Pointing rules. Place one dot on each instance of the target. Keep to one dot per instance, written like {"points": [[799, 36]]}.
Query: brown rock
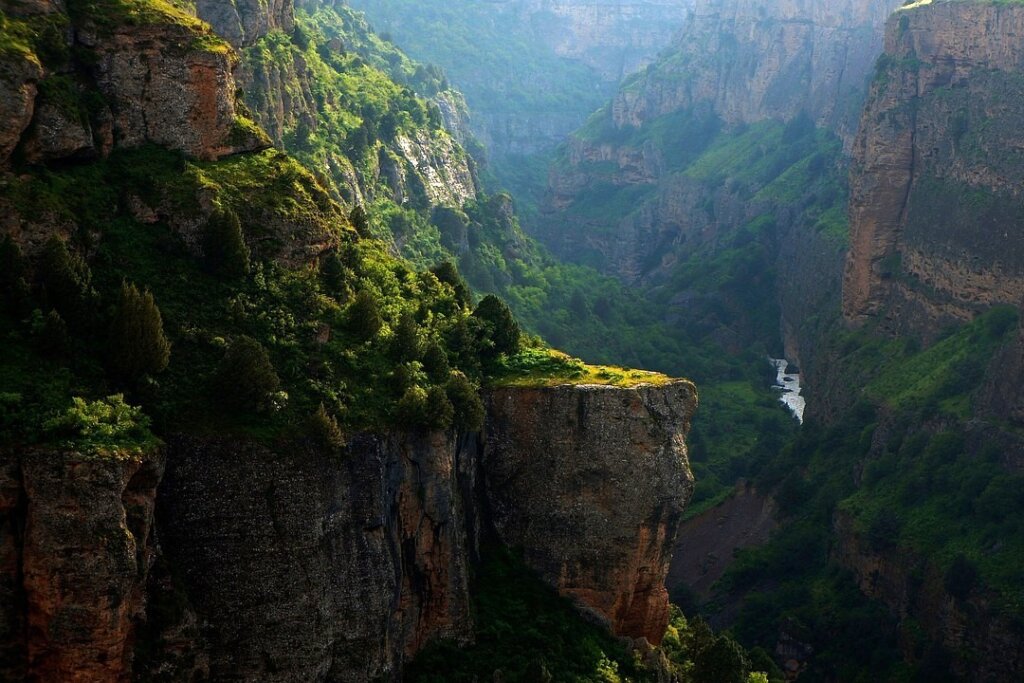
{"points": [[18, 76], [82, 535], [591, 482]]}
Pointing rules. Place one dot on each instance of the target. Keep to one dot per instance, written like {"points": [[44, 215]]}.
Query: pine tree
{"points": [[435, 363], [468, 409], [246, 378], [14, 288], [66, 281], [406, 345], [447, 273], [364, 317], [360, 221], [137, 344], [324, 429], [224, 249], [502, 329]]}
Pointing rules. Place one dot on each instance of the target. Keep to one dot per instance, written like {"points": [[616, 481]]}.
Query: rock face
{"points": [[164, 80], [427, 166], [936, 172], [75, 549], [591, 483], [308, 565], [294, 563], [243, 22], [764, 59]]}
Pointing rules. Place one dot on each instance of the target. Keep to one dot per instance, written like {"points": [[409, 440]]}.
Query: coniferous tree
{"points": [[324, 428], [435, 363], [406, 344], [440, 411], [66, 281], [501, 328], [364, 317], [14, 288], [246, 377], [224, 250], [447, 273], [50, 332], [360, 221], [468, 409], [137, 345]]}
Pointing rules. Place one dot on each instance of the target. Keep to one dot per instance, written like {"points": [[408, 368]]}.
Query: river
{"points": [[788, 386]]}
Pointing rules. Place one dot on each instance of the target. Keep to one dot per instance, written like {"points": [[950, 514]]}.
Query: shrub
{"points": [[102, 424], [961, 578], [14, 288], [246, 378], [335, 276], [224, 249], [501, 328], [137, 345]]}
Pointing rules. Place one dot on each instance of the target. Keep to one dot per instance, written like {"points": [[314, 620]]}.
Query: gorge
{"points": [[282, 288]]}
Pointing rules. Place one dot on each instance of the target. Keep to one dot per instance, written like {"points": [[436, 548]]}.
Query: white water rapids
{"points": [[788, 386]]}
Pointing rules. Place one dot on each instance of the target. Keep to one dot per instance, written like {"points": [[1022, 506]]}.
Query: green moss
{"points": [[540, 367]]}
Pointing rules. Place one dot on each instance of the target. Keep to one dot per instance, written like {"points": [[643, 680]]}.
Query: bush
{"points": [[99, 425], [961, 578], [138, 346], [246, 378], [14, 288], [224, 249], [412, 407], [360, 221]]}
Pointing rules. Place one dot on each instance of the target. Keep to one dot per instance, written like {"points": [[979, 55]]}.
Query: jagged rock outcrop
{"points": [[591, 483], [243, 22], [764, 59], [936, 173], [75, 550], [163, 79]]}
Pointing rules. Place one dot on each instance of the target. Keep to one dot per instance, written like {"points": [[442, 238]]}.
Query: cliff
{"points": [[162, 78], [750, 60], [936, 172], [591, 483], [77, 543], [294, 563]]}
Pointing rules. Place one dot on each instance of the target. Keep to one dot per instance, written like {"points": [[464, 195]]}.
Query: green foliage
{"points": [[406, 344], [447, 273], [324, 429], [500, 328], [224, 250], [49, 332], [246, 379], [137, 346], [66, 281], [105, 426], [467, 407], [364, 317]]}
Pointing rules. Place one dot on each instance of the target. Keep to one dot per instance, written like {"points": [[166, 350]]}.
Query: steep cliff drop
{"points": [[310, 566], [936, 170], [76, 545], [591, 482]]}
